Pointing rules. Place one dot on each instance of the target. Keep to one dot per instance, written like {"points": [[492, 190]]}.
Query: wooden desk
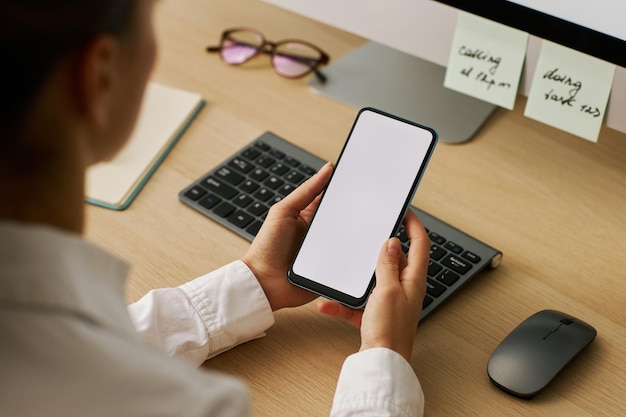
{"points": [[553, 203]]}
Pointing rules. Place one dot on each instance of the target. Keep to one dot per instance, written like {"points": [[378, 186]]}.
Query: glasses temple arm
{"points": [[320, 76]]}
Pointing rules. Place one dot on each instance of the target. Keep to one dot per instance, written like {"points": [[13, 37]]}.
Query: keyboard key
{"points": [[224, 209], [241, 165], [242, 200], [437, 252], [286, 189], [210, 201], [292, 161], [453, 247], [249, 186], [456, 264], [258, 209], [433, 268], [277, 154], [401, 234], [264, 194], [471, 256], [220, 187], [251, 154], [240, 219], [259, 175], [229, 175], [279, 169], [307, 170], [195, 193], [275, 200], [265, 161], [262, 146], [273, 182], [448, 277], [438, 239], [294, 177], [427, 301], [434, 289], [254, 228]]}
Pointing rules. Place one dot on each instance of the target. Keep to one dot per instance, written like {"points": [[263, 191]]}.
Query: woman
{"points": [[75, 72]]}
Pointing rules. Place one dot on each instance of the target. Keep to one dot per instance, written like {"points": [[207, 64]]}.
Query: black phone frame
{"points": [[331, 293]]}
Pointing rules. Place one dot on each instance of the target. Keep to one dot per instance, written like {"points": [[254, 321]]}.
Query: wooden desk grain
{"points": [[553, 203]]}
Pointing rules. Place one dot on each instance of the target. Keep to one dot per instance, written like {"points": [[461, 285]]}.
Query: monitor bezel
{"points": [[545, 26]]}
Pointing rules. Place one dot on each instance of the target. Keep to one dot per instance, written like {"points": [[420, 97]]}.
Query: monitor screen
{"points": [[593, 27]]}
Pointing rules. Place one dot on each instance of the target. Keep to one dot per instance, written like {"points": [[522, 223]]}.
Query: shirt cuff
{"points": [[232, 305], [378, 382]]}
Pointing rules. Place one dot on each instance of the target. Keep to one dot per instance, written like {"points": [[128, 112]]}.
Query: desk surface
{"points": [[551, 202]]}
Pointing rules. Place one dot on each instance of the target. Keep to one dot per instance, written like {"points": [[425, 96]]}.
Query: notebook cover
{"points": [[166, 113]]}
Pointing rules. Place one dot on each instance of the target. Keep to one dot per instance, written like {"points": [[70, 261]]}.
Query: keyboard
{"points": [[239, 192]]}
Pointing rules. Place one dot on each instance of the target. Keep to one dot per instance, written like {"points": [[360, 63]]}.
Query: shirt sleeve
{"points": [[377, 382], [206, 316]]}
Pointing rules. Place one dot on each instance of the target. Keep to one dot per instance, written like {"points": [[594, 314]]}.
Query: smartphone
{"points": [[375, 178]]}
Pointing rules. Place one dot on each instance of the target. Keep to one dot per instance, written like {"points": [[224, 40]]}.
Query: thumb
{"points": [[389, 263]]}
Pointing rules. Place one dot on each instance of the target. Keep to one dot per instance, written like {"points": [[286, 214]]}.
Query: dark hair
{"points": [[35, 35]]}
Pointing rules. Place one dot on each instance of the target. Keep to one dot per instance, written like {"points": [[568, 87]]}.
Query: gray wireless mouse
{"points": [[536, 351]]}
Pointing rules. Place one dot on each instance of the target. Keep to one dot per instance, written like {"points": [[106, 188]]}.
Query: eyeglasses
{"points": [[290, 58]]}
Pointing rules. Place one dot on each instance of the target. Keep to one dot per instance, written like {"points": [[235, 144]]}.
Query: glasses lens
{"points": [[240, 46], [294, 59]]}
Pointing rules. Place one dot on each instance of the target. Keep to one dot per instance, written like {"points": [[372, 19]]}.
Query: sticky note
{"points": [[486, 60], [570, 90]]}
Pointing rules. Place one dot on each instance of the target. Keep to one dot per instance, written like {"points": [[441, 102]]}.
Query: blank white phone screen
{"points": [[362, 203]]}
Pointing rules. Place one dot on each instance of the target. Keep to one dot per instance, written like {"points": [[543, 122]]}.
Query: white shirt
{"points": [[68, 346]]}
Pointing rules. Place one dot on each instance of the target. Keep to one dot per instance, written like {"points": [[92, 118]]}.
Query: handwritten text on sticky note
{"points": [[486, 60], [570, 90]]}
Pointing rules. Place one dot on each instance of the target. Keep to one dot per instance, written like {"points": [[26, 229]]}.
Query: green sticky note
{"points": [[570, 90], [486, 60]]}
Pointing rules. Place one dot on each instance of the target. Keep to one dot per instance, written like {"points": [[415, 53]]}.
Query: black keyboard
{"points": [[239, 192]]}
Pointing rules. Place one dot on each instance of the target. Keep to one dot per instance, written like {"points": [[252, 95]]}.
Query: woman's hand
{"points": [[274, 247], [393, 309]]}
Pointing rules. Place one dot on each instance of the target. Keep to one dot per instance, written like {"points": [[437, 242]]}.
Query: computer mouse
{"points": [[536, 351]]}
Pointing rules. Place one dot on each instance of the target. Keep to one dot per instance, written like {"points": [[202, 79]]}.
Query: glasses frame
{"points": [[269, 48]]}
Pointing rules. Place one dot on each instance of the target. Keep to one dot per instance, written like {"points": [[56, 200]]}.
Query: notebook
{"points": [[165, 115]]}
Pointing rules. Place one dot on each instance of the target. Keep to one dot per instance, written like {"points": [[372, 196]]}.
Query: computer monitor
{"points": [[411, 39], [593, 27]]}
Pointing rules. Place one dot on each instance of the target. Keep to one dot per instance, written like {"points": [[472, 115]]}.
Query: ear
{"points": [[96, 78]]}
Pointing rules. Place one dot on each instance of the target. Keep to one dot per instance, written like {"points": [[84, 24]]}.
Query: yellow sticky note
{"points": [[570, 90], [486, 60]]}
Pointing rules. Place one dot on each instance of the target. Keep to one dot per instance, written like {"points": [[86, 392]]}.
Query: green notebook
{"points": [[165, 115]]}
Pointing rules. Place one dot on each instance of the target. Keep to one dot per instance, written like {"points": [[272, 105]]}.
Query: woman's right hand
{"points": [[393, 309]]}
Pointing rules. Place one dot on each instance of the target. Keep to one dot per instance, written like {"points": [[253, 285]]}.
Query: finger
{"points": [[300, 198], [389, 263], [403, 261], [334, 309], [419, 250], [307, 213]]}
